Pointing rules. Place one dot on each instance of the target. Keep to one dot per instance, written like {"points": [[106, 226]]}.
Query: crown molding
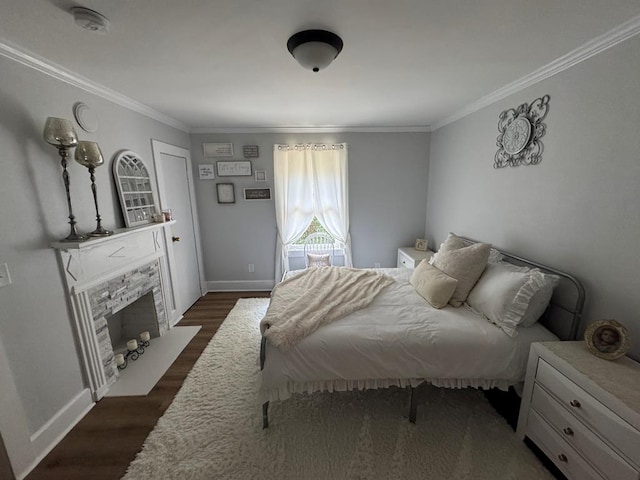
{"points": [[47, 67], [325, 129], [613, 37]]}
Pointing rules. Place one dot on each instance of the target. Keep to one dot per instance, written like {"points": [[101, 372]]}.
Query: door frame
{"points": [[159, 148]]}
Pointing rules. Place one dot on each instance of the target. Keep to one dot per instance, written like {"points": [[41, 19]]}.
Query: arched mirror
{"points": [[134, 187]]}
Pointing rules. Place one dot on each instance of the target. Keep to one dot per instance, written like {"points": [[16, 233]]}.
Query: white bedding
{"points": [[399, 339]]}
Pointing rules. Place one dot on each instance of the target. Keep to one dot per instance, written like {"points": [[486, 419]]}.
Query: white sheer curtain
{"points": [[310, 180]]}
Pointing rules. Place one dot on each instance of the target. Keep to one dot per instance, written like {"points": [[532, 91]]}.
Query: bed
{"points": [[399, 339]]}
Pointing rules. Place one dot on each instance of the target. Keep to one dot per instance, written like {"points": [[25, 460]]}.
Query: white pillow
{"points": [[539, 296], [510, 296], [495, 256], [315, 260], [495, 294], [465, 264], [434, 286]]}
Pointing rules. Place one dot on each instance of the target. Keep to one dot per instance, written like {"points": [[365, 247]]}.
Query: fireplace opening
{"points": [[128, 323]]}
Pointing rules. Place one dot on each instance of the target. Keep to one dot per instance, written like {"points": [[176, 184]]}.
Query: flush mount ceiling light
{"points": [[314, 49], [90, 20]]}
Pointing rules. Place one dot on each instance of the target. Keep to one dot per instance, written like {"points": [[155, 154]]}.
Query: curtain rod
{"points": [[313, 146]]}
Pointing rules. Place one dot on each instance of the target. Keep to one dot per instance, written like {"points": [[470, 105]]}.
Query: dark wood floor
{"points": [[107, 439]]}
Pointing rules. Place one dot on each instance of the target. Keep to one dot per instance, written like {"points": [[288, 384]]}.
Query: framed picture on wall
{"points": [[260, 176], [217, 149], [236, 168], [226, 193], [257, 193]]}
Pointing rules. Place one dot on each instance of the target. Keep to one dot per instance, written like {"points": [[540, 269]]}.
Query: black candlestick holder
{"points": [[134, 354]]}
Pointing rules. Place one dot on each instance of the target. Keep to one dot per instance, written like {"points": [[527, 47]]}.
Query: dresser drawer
{"points": [[565, 457], [410, 257], [603, 458], [405, 261], [591, 412]]}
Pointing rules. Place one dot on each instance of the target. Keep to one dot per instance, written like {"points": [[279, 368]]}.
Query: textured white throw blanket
{"points": [[317, 296]]}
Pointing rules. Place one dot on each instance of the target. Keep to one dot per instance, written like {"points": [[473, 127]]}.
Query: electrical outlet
{"points": [[5, 277], [251, 268], [376, 265]]}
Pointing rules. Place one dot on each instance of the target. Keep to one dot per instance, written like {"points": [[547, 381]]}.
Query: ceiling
{"points": [[223, 64]]}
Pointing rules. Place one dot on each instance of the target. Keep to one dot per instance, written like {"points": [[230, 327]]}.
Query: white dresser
{"points": [[409, 257], [582, 411]]}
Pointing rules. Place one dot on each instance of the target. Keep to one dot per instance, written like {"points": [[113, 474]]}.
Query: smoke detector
{"points": [[90, 20]]}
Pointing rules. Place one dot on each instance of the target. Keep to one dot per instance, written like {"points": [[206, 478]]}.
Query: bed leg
{"points": [[265, 415], [265, 405], [413, 406]]}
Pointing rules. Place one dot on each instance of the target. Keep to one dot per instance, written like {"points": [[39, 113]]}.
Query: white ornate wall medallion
{"points": [[520, 132], [86, 117]]}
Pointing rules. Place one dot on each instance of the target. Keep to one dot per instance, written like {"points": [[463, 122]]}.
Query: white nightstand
{"points": [[409, 257], [582, 411]]}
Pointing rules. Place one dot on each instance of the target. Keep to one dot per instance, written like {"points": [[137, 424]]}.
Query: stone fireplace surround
{"points": [[102, 277], [121, 292]]}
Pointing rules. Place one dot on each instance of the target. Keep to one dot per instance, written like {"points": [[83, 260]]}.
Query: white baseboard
{"points": [[175, 321], [50, 434], [241, 286]]}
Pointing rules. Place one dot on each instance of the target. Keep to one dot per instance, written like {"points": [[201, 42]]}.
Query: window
{"points": [[311, 193], [314, 227]]}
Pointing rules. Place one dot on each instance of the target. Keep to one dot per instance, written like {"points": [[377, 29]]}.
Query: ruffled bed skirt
{"points": [[285, 391]]}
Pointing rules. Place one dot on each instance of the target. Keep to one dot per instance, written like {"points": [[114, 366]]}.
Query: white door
{"points": [[175, 191]]}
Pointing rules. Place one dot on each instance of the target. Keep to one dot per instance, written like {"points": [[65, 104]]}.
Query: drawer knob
{"points": [[575, 403], [568, 431], [563, 458]]}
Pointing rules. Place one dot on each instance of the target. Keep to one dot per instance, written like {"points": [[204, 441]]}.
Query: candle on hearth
{"points": [[119, 359], [132, 344], [145, 336]]}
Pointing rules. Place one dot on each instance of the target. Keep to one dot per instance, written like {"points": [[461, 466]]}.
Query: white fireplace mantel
{"points": [[86, 263]]}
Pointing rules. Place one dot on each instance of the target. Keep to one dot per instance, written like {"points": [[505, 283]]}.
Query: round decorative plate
{"points": [[85, 117], [516, 135]]}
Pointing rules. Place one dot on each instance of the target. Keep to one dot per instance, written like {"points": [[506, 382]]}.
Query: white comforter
{"points": [[399, 339]]}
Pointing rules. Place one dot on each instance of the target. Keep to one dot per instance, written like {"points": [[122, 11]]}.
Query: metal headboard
{"points": [[564, 312]]}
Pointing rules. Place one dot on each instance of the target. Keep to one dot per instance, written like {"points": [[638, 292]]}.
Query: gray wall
{"points": [[578, 210], [35, 326], [387, 202]]}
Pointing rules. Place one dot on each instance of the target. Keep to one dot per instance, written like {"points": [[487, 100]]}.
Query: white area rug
{"points": [[142, 375], [213, 428]]}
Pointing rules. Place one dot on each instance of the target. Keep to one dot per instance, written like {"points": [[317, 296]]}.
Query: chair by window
{"points": [[319, 250]]}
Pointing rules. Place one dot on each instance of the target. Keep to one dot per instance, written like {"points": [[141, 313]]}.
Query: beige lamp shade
{"points": [[88, 154], [60, 132]]}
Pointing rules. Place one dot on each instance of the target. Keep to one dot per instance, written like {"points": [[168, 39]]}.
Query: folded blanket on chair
{"points": [[317, 296]]}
